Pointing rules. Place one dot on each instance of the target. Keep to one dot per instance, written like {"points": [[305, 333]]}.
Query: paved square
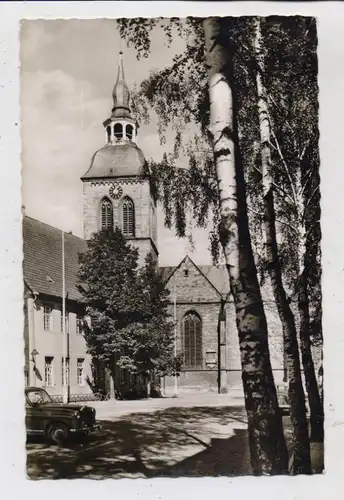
{"points": [[193, 435]]}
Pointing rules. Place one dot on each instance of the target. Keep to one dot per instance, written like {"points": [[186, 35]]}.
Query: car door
{"points": [[29, 418], [34, 419]]}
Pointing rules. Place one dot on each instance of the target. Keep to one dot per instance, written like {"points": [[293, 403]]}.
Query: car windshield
{"points": [[38, 397]]}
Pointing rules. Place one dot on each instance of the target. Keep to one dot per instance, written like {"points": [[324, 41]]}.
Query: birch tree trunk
{"points": [[265, 430], [301, 463], [314, 400]]}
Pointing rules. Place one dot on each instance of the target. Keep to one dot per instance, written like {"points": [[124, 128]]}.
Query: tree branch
{"points": [[289, 224], [282, 159], [308, 203], [307, 179], [279, 221], [260, 214], [278, 188]]}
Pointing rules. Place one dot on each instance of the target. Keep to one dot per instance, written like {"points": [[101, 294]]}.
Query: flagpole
{"points": [[64, 333], [175, 338]]}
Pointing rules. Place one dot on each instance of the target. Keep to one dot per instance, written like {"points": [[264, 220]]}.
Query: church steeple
{"points": [[114, 190], [121, 94], [120, 127]]}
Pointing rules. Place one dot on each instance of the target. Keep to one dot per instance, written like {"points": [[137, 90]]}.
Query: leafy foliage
{"points": [[178, 95], [127, 307]]}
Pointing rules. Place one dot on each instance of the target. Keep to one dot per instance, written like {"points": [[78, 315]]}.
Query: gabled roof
{"points": [[216, 275], [42, 263]]}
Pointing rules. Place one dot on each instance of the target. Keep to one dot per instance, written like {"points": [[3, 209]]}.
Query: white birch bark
{"points": [[267, 445], [301, 450], [314, 399]]}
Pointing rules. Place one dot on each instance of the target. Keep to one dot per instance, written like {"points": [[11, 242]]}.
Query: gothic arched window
{"points": [[118, 130], [129, 131], [106, 217], [192, 340], [128, 217]]}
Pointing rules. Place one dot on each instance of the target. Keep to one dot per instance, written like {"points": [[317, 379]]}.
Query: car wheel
{"points": [[58, 433]]}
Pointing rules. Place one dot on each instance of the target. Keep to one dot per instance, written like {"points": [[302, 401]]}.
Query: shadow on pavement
{"points": [[174, 442], [224, 457], [171, 442]]}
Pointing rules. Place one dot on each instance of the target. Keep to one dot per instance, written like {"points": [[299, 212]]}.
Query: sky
{"points": [[68, 70]]}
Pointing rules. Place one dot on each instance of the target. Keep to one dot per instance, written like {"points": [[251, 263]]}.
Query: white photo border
{"points": [[330, 17]]}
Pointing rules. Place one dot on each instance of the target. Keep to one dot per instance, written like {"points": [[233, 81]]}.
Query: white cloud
{"points": [[32, 38], [59, 136], [61, 128]]}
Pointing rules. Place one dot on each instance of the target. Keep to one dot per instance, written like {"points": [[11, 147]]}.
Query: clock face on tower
{"points": [[115, 191]]}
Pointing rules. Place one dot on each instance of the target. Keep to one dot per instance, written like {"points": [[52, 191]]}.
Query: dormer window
{"points": [[118, 131]]}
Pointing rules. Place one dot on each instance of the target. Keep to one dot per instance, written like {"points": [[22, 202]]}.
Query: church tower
{"points": [[114, 193]]}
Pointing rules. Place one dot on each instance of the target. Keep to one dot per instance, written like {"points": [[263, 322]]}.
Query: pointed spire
{"points": [[120, 74], [120, 94]]}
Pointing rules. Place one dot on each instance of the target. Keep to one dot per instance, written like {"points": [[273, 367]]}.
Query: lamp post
{"points": [[33, 356], [175, 392], [64, 332]]}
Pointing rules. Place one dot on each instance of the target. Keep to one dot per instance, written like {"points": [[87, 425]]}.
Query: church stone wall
{"points": [[144, 246], [95, 191], [139, 191], [190, 286], [194, 293]]}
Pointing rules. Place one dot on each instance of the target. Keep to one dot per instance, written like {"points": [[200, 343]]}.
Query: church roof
{"points": [[42, 263], [121, 160], [217, 275]]}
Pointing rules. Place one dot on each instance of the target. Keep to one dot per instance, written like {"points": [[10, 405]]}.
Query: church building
{"points": [[115, 194]]}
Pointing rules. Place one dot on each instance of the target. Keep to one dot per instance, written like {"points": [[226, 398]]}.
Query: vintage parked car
{"points": [[55, 421]]}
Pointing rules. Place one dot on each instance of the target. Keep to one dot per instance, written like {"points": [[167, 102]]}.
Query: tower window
{"points": [[118, 131], [106, 214], [128, 218], [192, 329], [108, 131], [129, 131]]}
